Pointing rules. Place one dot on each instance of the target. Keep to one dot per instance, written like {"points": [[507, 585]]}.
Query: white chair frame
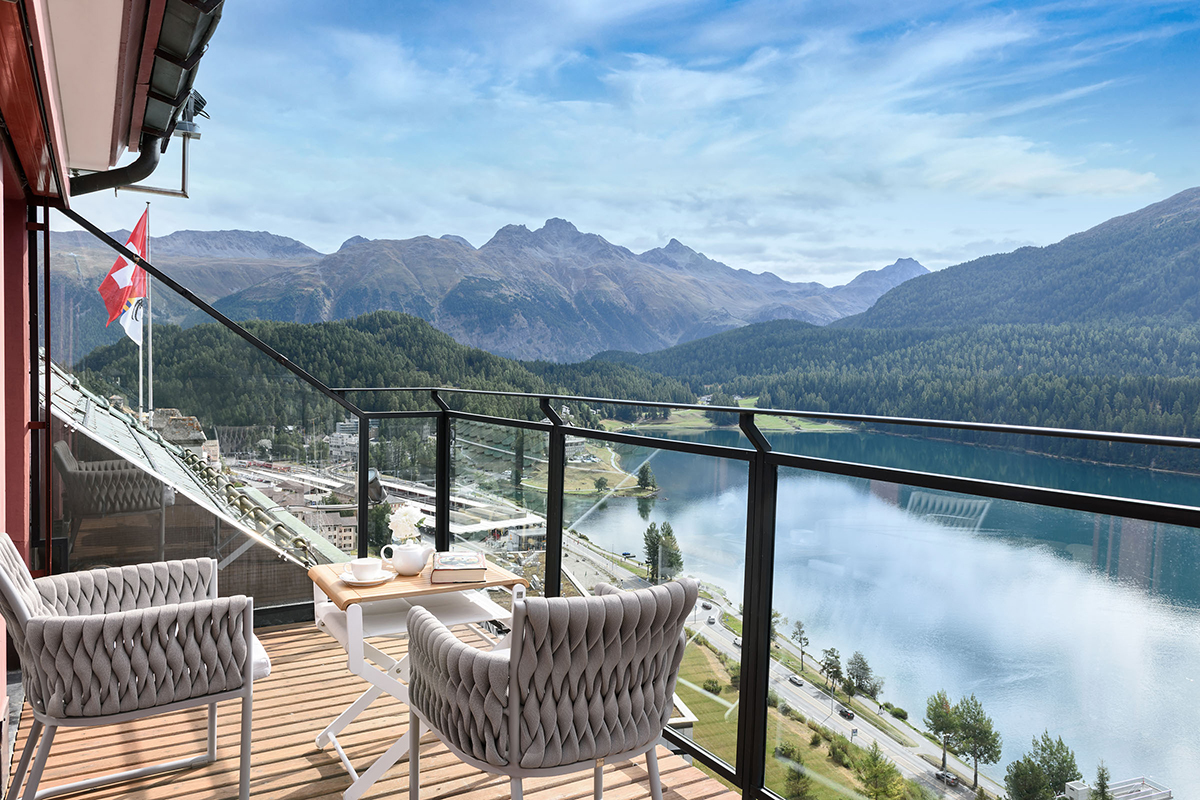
{"points": [[44, 726]]}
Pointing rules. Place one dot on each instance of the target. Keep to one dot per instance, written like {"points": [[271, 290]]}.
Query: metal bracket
{"points": [[746, 423], [548, 410]]}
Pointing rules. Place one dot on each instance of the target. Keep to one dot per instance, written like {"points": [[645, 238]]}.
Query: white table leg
{"points": [[349, 715], [382, 764], [386, 676]]}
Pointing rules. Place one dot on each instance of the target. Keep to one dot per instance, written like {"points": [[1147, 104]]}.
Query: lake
{"points": [[1084, 625]]}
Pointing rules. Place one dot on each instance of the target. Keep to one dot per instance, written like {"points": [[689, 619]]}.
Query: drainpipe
{"points": [[140, 169]]}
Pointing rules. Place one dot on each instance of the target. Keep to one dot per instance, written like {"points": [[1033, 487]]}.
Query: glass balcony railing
{"points": [[1054, 576]]}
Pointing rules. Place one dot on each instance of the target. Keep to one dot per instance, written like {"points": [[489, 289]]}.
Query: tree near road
{"points": [[652, 542], [859, 672], [601, 483], [1026, 780], [797, 785], [1057, 762], [800, 638], [940, 719], [662, 552], [777, 621], [1101, 791], [670, 556], [831, 665], [976, 735], [880, 778]]}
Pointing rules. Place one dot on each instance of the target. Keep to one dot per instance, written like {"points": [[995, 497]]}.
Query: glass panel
{"points": [[1083, 625], [499, 498], [690, 521], [683, 424], [254, 471], [1163, 474]]}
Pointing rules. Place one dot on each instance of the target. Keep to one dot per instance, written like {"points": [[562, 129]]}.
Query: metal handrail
{"points": [[981, 427]]}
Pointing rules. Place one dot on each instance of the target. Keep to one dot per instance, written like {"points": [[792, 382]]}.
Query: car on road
{"points": [[737, 641], [712, 620], [946, 777], [794, 680], [627, 554], [845, 712], [706, 605]]}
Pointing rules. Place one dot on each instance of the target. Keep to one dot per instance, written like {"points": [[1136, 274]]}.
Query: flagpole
{"points": [[149, 326]]}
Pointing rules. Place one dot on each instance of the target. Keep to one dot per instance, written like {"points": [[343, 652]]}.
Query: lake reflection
{"points": [[1008, 613]]}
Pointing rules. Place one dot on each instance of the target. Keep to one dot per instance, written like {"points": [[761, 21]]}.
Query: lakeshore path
{"points": [[588, 565]]}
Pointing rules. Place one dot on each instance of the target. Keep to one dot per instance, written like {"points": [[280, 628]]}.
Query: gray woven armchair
{"points": [[108, 488], [112, 645], [587, 679]]}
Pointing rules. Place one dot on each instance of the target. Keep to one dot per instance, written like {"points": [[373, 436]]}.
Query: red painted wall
{"points": [[14, 389]]}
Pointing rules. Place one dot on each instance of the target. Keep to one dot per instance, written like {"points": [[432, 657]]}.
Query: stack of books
{"points": [[459, 566]]}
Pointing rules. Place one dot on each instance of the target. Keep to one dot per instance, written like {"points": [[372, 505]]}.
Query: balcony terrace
{"points": [[287, 764], [1056, 573], [837, 524]]}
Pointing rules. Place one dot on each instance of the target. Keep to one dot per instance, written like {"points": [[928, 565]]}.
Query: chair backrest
{"points": [[112, 486], [20, 601], [64, 459], [19, 598], [594, 676]]}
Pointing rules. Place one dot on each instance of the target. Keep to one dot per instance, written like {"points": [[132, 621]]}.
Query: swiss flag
{"points": [[124, 288]]}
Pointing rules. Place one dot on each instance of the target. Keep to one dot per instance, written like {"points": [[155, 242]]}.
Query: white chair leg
{"points": [[31, 742], [652, 768], [39, 763], [414, 756], [247, 729], [212, 731], [514, 788], [598, 779]]}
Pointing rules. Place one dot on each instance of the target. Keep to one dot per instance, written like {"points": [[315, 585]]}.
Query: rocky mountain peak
{"points": [[509, 235], [559, 227], [353, 240], [450, 237], [905, 268], [230, 244], [880, 280]]}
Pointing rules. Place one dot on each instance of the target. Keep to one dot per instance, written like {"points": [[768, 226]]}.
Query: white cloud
{"points": [[810, 139]]}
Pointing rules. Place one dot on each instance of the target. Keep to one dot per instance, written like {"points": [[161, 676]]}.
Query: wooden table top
{"points": [[327, 577]]}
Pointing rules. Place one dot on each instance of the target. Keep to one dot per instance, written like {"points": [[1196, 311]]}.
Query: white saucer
{"points": [[383, 577]]}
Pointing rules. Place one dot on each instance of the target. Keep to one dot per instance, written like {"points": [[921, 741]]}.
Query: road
{"points": [[590, 567], [816, 704]]}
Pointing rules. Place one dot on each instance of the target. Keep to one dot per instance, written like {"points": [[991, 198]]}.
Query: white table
{"points": [[353, 615]]}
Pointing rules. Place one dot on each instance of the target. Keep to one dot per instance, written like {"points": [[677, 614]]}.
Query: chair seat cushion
{"points": [[260, 663]]}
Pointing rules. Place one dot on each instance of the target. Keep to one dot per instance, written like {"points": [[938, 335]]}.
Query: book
{"points": [[458, 566]]}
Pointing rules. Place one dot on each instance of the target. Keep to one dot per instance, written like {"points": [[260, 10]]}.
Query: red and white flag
{"points": [[124, 288]]}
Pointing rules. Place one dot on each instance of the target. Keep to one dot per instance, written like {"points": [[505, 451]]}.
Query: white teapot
{"points": [[408, 558]]}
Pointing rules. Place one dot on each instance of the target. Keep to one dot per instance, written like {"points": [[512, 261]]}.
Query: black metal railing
{"points": [[762, 497]]}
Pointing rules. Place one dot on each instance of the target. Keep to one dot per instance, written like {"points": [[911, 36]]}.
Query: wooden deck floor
{"points": [[309, 685]]}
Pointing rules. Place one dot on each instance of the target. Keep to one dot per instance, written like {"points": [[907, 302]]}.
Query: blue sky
{"points": [[811, 139]]}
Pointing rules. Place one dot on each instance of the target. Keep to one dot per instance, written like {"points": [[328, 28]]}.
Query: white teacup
{"points": [[364, 569]]}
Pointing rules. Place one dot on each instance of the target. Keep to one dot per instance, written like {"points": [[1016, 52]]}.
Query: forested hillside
{"points": [[1139, 268], [1142, 379], [208, 371]]}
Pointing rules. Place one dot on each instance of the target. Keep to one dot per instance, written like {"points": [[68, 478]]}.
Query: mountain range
{"points": [[1138, 268], [554, 293]]}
